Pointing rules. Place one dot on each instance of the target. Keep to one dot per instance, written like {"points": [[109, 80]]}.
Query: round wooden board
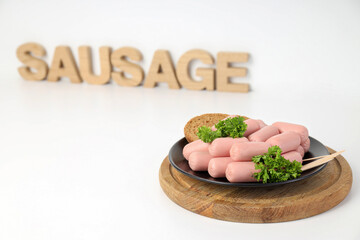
{"points": [[287, 202]]}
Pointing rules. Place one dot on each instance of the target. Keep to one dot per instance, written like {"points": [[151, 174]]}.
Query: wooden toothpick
{"points": [[321, 161], [314, 158]]}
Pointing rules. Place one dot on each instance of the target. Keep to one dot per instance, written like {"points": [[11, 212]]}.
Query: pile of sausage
{"points": [[231, 157]]}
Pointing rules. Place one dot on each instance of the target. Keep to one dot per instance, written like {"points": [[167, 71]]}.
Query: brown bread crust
{"points": [[208, 119]]}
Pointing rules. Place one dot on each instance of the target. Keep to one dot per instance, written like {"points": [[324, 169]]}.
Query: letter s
{"points": [[25, 53]]}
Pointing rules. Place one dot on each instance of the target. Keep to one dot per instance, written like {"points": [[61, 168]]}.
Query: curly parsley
{"points": [[274, 167], [231, 127]]}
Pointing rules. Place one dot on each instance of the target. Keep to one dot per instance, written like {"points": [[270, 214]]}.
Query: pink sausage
{"points": [[246, 150], [252, 126], [241, 172], [264, 134], [230, 116], [301, 130], [293, 155], [199, 161], [195, 146], [301, 150], [261, 123], [217, 166], [287, 141], [220, 147], [306, 145]]}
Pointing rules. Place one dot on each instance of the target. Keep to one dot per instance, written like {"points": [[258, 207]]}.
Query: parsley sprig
{"points": [[274, 167], [231, 127]]}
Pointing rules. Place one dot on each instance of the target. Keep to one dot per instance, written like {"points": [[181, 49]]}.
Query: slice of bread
{"points": [[208, 119]]}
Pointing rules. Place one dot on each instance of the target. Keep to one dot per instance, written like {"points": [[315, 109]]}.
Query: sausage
{"points": [[306, 145], [252, 126], [261, 123], [301, 150], [199, 161], [246, 150], [287, 141], [264, 134], [285, 127], [196, 146], [241, 172], [220, 147], [230, 116], [217, 166], [293, 155]]}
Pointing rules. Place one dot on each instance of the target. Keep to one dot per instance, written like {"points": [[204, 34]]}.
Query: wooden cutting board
{"points": [[287, 202]]}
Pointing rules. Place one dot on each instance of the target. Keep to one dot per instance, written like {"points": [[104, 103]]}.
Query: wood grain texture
{"points": [[27, 54], [288, 202], [224, 71], [161, 70], [86, 68], [207, 74]]}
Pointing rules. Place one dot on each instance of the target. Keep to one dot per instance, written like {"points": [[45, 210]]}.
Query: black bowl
{"points": [[178, 161]]}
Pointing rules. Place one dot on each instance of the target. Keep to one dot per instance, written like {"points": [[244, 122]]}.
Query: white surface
{"points": [[81, 161]]}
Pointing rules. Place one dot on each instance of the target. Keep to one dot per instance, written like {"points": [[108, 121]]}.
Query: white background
{"points": [[81, 161]]}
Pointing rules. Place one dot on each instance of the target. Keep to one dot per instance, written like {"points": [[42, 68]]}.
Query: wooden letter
{"points": [[119, 60], [161, 70], [23, 53], [224, 71], [183, 74], [86, 69], [63, 65]]}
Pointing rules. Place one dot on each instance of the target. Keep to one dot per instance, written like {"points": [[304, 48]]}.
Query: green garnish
{"points": [[207, 135], [274, 167], [231, 127]]}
